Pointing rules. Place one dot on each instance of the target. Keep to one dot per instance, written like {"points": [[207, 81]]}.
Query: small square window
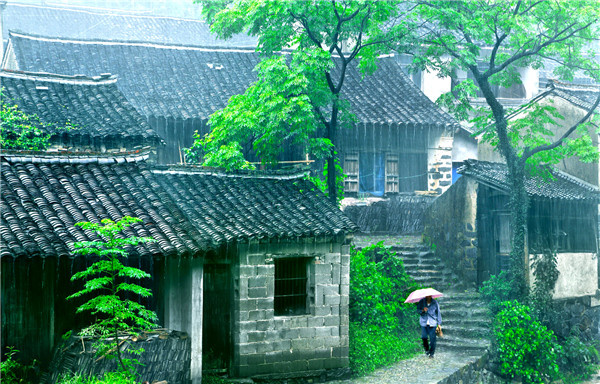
{"points": [[291, 286]]}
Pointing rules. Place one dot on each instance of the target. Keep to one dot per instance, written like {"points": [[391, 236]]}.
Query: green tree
{"points": [[19, 130], [492, 40], [108, 281], [298, 96]]}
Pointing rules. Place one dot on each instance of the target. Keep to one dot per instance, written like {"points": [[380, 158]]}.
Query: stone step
{"points": [[463, 332], [463, 346], [467, 323], [466, 313]]}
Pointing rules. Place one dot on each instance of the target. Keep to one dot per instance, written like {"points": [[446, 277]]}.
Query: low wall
{"points": [[581, 315], [400, 214], [450, 229], [166, 356]]}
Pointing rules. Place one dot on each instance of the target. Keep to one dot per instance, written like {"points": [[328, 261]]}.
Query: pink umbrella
{"points": [[419, 294]]}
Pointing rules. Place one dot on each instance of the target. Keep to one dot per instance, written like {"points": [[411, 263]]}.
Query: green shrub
{"points": [[495, 291], [372, 347], [526, 349], [578, 360], [382, 328], [13, 372]]}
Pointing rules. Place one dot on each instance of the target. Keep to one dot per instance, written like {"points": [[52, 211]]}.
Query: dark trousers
{"points": [[428, 336]]}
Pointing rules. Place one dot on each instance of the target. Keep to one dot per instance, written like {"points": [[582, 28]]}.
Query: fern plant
{"points": [[108, 281]]}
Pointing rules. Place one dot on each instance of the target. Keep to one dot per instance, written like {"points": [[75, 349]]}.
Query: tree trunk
{"points": [[518, 199], [331, 171]]}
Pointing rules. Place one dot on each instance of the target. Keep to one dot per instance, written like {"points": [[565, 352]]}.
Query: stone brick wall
{"points": [[270, 347], [450, 227], [439, 174], [580, 315]]}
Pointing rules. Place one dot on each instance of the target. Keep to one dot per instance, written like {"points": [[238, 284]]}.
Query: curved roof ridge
{"points": [[49, 157], [137, 43], [221, 172], [104, 78]]}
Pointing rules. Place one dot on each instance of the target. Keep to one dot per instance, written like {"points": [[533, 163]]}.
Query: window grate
{"points": [[291, 286]]}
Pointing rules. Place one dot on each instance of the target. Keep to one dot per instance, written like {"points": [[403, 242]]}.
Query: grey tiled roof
{"points": [[583, 96], [564, 186], [188, 82], [112, 25], [187, 212], [95, 107]]}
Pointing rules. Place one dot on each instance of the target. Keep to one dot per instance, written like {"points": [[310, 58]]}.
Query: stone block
{"points": [[316, 321], [257, 281], [307, 333], [289, 334], [344, 330], [282, 345], [257, 293], [302, 344], [315, 364], [247, 326], [299, 365], [256, 336], [322, 310], [255, 359], [332, 300], [247, 270], [263, 325], [265, 270], [323, 269], [336, 274], [298, 322], [273, 357], [345, 252], [331, 321], [256, 259], [267, 303], [335, 310], [248, 304], [247, 348], [257, 315], [333, 363], [322, 332], [332, 258], [264, 347]]}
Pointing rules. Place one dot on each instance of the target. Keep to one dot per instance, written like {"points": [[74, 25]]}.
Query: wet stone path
{"points": [[418, 370]]}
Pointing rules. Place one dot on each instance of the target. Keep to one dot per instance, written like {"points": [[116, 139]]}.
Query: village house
{"points": [[401, 141], [85, 113], [254, 267], [470, 227]]}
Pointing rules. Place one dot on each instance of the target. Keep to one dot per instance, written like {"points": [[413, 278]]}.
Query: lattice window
{"points": [[351, 172], [391, 174], [291, 286]]}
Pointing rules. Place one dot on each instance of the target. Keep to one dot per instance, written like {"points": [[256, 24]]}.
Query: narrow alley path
{"points": [[465, 322], [444, 369]]}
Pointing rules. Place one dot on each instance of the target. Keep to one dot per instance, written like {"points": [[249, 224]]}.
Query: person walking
{"points": [[431, 318]]}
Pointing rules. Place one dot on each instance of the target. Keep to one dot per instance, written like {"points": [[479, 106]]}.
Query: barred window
{"points": [[291, 286]]}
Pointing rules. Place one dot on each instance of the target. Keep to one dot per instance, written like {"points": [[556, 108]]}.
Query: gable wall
{"points": [[269, 346]]}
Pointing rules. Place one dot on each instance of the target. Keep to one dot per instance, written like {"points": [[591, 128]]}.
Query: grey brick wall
{"points": [[272, 346]]}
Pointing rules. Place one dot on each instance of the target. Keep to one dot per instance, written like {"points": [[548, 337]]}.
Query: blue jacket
{"points": [[433, 313]]}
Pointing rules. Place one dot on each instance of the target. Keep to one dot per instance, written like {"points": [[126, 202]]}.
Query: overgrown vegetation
{"points": [[19, 130], [109, 282], [107, 378], [524, 340], [14, 372], [526, 349], [382, 329]]}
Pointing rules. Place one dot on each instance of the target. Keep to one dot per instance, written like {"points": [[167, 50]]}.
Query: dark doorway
{"points": [[216, 327]]}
